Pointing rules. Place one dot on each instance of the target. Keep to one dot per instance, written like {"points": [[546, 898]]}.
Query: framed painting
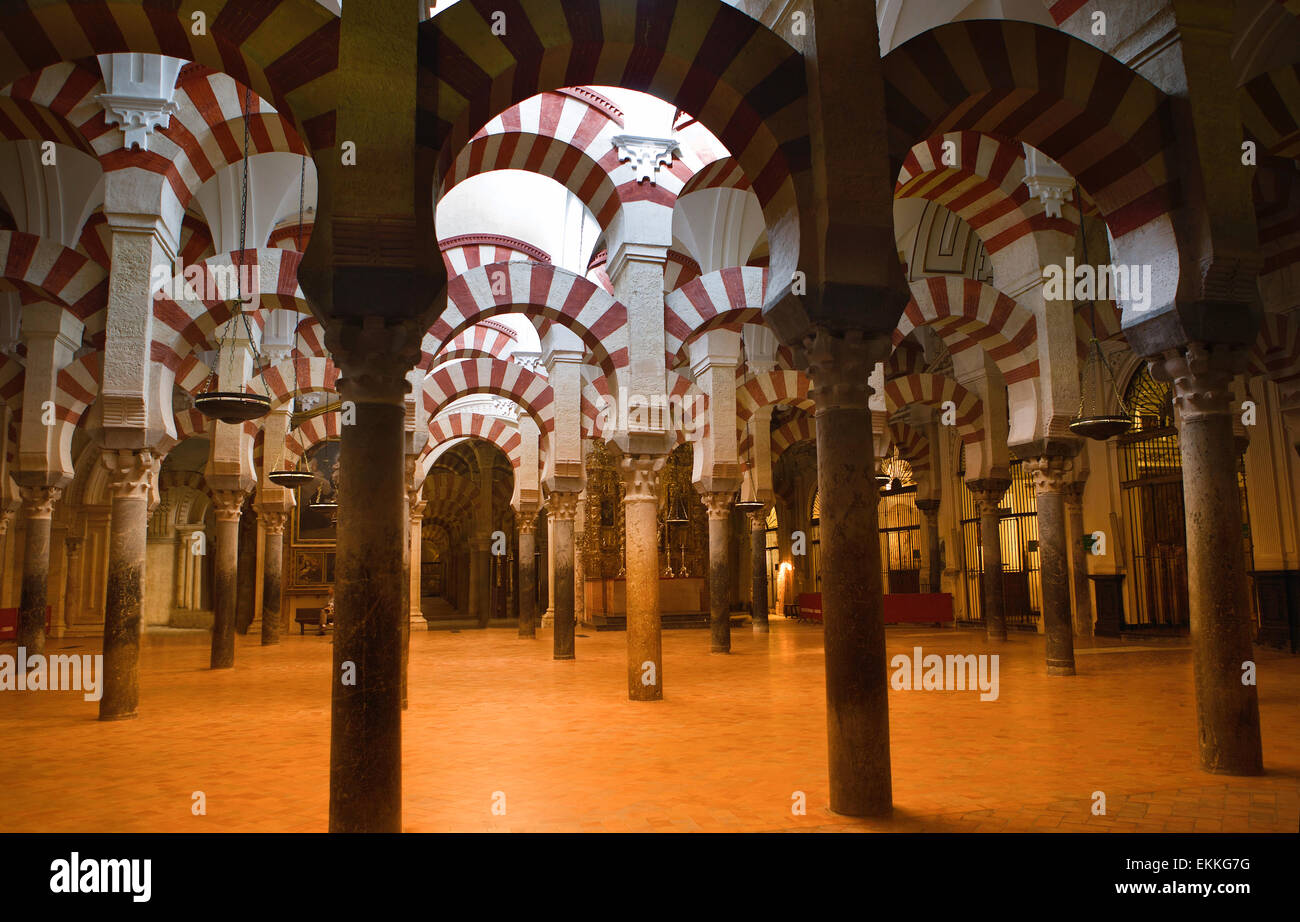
{"points": [[317, 526]]}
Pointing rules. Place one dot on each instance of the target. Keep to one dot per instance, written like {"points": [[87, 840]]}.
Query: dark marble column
{"points": [[273, 522], [1050, 474], [933, 574], [857, 691], [1078, 559], [369, 593], [72, 592], [228, 504], [988, 499], [1227, 711], [645, 672], [562, 508], [131, 478], [246, 570], [758, 570], [527, 574], [38, 510], [719, 506]]}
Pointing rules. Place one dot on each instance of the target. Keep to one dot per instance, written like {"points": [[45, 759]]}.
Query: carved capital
{"points": [[988, 494], [562, 506], [131, 474], [718, 505], [526, 521], [228, 504], [38, 502], [1202, 377], [417, 508], [640, 475], [1074, 494], [74, 547], [928, 506], [273, 521], [1051, 474], [646, 155], [840, 366], [374, 358]]}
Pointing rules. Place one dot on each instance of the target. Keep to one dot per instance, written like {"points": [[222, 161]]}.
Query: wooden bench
{"points": [[306, 616]]}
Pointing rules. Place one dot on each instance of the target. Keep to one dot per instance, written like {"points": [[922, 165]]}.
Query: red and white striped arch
{"points": [[725, 298], [44, 269], [967, 313], [801, 428], [482, 340], [536, 291], [309, 433], [469, 251], [1276, 354], [723, 173], [301, 374], [936, 391], [913, 447], [454, 380]]}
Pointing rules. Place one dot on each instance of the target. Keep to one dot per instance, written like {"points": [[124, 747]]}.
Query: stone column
{"points": [[370, 605], [758, 570], [38, 510], [579, 563], [527, 574], [131, 477], [562, 508], [548, 617], [719, 507], [932, 575], [1227, 710], [273, 522], [1078, 559], [1049, 475], [228, 505], [857, 691], [72, 592], [415, 506], [988, 499], [645, 672], [478, 579]]}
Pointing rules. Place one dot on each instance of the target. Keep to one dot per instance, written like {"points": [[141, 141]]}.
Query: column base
{"points": [[760, 627], [548, 619], [566, 657], [723, 650], [109, 718], [1060, 669]]}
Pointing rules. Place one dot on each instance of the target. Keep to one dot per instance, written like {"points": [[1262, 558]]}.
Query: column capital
{"points": [[840, 366], [228, 504], [928, 506], [1073, 491], [1050, 473], [132, 474], [38, 502], [1202, 376], [73, 544], [562, 505], [640, 475], [718, 505], [273, 520], [374, 358], [526, 522], [988, 493]]}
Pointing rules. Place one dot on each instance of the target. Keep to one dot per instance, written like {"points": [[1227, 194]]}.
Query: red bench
{"points": [[900, 607], [9, 622]]}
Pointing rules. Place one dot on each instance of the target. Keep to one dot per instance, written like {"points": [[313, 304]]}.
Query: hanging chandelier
{"points": [[236, 406], [1093, 421], [747, 506], [292, 478]]}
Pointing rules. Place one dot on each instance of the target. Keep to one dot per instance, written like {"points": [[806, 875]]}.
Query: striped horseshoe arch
{"points": [[311, 432], [483, 340], [685, 53], [1269, 104], [301, 374], [967, 313], [492, 376], [285, 50], [725, 298], [936, 391], [723, 173], [502, 433], [45, 269], [913, 447], [1276, 354], [536, 291], [802, 428]]}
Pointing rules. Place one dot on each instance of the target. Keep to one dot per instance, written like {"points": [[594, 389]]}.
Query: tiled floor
{"points": [[727, 749]]}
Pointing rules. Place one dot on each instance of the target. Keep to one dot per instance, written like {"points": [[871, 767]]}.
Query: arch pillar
{"points": [[1051, 473], [273, 519], [988, 493], [719, 507], [527, 522], [38, 511], [563, 508], [933, 572], [640, 474]]}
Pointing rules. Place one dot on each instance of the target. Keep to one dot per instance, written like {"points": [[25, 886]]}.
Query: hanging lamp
{"points": [[292, 478], [747, 506], [1092, 420], [236, 406]]}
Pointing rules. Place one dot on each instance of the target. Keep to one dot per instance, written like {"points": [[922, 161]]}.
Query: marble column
{"points": [[1078, 559], [72, 592], [548, 617], [988, 495], [562, 508], [478, 579], [857, 691], [645, 674], [273, 522], [1227, 710], [579, 562], [416, 506], [932, 575], [131, 477], [719, 507], [1050, 475], [527, 574], [38, 511], [370, 605], [758, 570], [227, 505]]}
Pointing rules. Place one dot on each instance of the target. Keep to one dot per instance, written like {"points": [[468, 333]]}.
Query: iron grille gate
{"points": [[900, 535], [1018, 535]]}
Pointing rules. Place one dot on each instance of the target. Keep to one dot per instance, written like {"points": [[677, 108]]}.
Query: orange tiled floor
{"points": [[735, 737]]}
